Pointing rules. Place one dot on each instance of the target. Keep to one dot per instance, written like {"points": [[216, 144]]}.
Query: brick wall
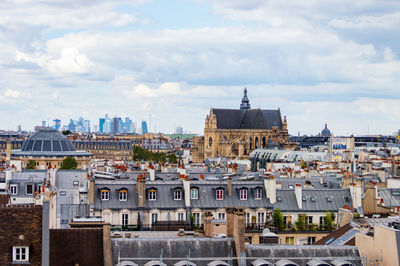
{"points": [[21, 226]]}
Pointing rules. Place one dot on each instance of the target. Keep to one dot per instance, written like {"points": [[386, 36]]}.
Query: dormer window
{"points": [[152, 194], [123, 195], [13, 189], [178, 194], [219, 194], [105, 194], [243, 194], [313, 199], [20, 254], [258, 193], [194, 193], [329, 199]]}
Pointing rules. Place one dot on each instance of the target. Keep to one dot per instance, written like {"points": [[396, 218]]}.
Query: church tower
{"points": [[245, 101]]}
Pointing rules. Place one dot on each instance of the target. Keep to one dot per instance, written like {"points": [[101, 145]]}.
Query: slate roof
{"points": [[198, 250], [342, 236], [207, 196], [247, 119], [304, 253], [391, 196], [114, 202], [339, 198]]}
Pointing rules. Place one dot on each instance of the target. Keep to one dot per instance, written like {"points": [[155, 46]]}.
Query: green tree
{"points": [[303, 165], [329, 220], [31, 164], [172, 158], [69, 163], [66, 132], [278, 219], [301, 222]]}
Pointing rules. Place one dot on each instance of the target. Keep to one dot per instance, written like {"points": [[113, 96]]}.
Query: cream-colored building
{"points": [[234, 133], [48, 148]]}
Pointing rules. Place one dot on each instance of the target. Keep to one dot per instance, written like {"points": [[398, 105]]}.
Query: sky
{"points": [[331, 61]]}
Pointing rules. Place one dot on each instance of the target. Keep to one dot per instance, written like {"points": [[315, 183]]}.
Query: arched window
{"points": [[263, 142], [256, 144], [251, 144], [210, 141]]}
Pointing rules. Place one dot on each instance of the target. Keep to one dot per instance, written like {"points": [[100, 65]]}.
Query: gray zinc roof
{"points": [[338, 197]]}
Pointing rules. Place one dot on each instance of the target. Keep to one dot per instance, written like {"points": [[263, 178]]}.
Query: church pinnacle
{"points": [[245, 101]]}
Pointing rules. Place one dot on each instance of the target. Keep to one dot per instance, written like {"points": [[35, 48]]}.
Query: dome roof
{"points": [[47, 140], [326, 132]]}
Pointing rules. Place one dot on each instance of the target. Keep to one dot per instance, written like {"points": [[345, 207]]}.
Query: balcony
{"points": [[157, 226]]}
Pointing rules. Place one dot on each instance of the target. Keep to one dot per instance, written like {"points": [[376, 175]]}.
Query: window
{"points": [[322, 220], [329, 199], [248, 218], [313, 199], [154, 218], [196, 219], [243, 194], [289, 240], [63, 193], [105, 194], [180, 216], [75, 183], [125, 219], [278, 199], [220, 194], [261, 217], [194, 193], [13, 190], [221, 216], [258, 194], [29, 189], [20, 254], [290, 186], [309, 220], [287, 220], [178, 194], [123, 195], [152, 194], [310, 240], [210, 141]]}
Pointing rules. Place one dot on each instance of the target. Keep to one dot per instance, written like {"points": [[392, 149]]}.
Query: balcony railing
{"points": [[156, 226]]}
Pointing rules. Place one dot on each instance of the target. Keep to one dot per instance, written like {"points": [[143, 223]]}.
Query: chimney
{"points": [[298, 193], [208, 228], [355, 192], [152, 173], [229, 221], [8, 150], [107, 244], [45, 233], [270, 188], [186, 189], [91, 191], [229, 183], [321, 179], [238, 234], [141, 189]]}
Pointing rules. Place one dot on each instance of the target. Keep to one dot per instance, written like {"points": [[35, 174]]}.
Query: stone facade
{"points": [[234, 133]]}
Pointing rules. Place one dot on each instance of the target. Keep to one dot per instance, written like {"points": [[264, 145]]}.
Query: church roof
{"points": [[247, 118]]}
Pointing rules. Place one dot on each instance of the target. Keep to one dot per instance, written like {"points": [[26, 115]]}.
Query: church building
{"points": [[234, 133]]}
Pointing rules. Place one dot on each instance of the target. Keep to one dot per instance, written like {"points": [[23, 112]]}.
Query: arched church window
{"points": [[210, 141], [263, 142], [256, 144]]}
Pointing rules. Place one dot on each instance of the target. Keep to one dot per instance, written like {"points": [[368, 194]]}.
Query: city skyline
{"points": [[316, 62]]}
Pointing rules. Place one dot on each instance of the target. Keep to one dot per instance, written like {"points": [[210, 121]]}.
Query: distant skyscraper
{"points": [[43, 123], [57, 124], [71, 125], [19, 128], [178, 130], [115, 124], [102, 121], [86, 126], [144, 127]]}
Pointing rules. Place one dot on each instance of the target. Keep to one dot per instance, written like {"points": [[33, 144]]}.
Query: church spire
{"points": [[245, 101]]}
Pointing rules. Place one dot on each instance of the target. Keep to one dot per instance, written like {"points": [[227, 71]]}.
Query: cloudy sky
{"points": [[334, 61]]}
